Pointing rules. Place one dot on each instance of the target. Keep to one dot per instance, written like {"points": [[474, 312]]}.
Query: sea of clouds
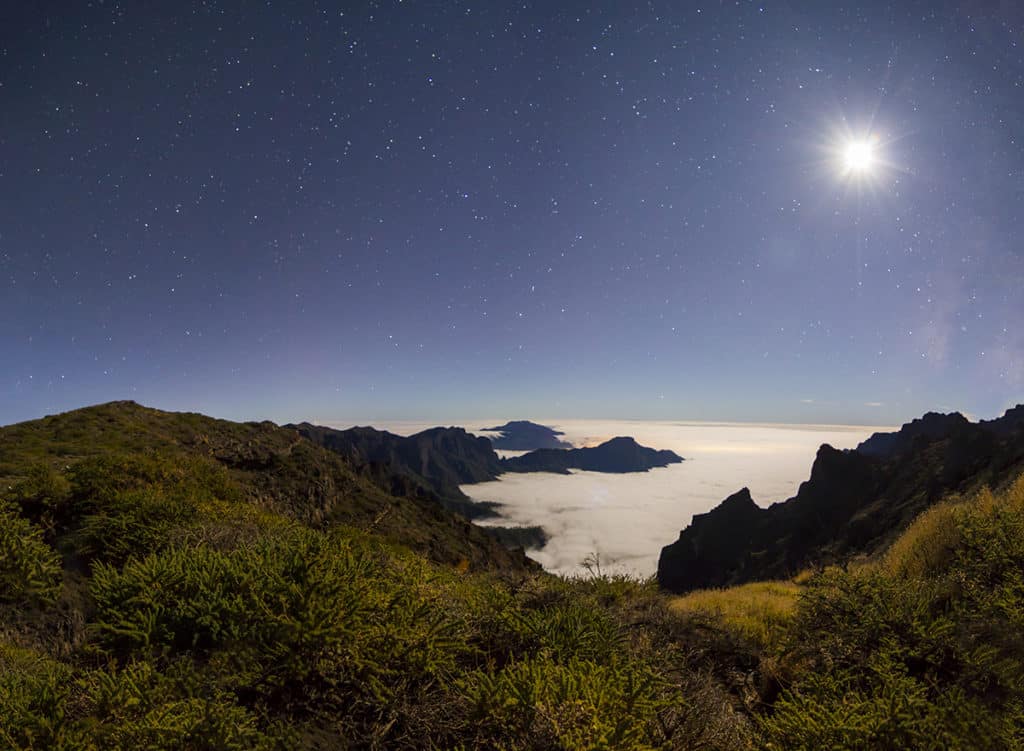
{"points": [[627, 519]]}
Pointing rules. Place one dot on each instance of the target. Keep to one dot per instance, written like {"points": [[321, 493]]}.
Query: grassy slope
{"points": [[761, 611], [273, 468], [921, 646], [171, 581]]}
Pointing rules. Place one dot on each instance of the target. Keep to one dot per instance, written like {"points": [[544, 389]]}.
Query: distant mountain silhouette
{"points": [[436, 462], [856, 501], [933, 425], [523, 435], [432, 463], [617, 455]]}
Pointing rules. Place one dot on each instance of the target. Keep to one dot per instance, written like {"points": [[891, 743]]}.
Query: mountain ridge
{"points": [[616, 455], [523, 435], [269, 466], [854, 503], [431, 463]]}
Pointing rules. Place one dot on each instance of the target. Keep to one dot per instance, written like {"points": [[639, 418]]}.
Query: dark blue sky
{"points": [[435, 210]]}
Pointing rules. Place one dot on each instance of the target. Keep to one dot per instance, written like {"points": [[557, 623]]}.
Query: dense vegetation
{"points": [[186, 617], [158, 595]]}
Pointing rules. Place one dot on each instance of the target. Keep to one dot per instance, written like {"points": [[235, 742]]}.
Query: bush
{"points": [[33, 690], [30, 570], [133, 522], [302, 623], [539, 703], [840, 710], [47, 706], [42, 495], [139, 707], [924, 650]]}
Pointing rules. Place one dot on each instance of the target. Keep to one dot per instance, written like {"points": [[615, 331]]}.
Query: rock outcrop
{"points": [[855, 502]]}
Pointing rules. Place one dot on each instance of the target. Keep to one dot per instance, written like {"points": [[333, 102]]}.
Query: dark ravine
{"points": [[523, 435], [618, 455], [855, 502]]}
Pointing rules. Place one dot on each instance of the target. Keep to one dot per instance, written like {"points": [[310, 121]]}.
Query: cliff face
{"points": [[617, 455], [709, 553], [854, 502]]}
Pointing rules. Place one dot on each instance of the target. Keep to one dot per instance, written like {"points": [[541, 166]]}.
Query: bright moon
{"points": [[859, 156]]}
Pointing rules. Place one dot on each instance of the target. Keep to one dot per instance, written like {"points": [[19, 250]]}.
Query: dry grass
{"points": [[763, 611], [929, 542], [760, 611]]}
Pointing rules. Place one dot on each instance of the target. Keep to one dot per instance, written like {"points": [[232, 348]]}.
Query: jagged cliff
{"points": [[855, 502]]}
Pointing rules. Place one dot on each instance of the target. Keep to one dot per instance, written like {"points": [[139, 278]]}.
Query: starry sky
{"points": [[436, 210]]}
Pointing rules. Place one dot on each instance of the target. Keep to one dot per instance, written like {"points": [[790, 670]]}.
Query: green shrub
{"points": [[30, 570], [33, 689], [568, 631], [47, 706], [539, 703], [97, 480], [137, 706], [133, 522], [890, 710], [42, 495], [924, 649], [302, 622]]}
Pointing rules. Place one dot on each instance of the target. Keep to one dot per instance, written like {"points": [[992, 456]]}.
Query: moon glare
{"points": [[859, 156]]}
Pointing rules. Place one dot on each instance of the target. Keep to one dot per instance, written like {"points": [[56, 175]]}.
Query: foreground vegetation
{"points": [[145, 607], [150, 599]]}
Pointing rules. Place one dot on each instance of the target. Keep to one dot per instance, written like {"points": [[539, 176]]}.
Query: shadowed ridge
{"points": [[706, 556], [432, 463], [618, 455], [855, 502], [929, 427]]}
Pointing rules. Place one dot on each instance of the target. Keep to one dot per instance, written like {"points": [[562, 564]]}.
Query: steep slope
{"points": [[432, 463], [855, 502], [268, 466], [617, 455]]}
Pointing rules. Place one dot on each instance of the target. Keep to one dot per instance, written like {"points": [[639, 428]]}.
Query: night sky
{"points": [[438, 210]]}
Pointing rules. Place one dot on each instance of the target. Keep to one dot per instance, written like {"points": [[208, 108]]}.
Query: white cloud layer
{"points": [[627, 519]]}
